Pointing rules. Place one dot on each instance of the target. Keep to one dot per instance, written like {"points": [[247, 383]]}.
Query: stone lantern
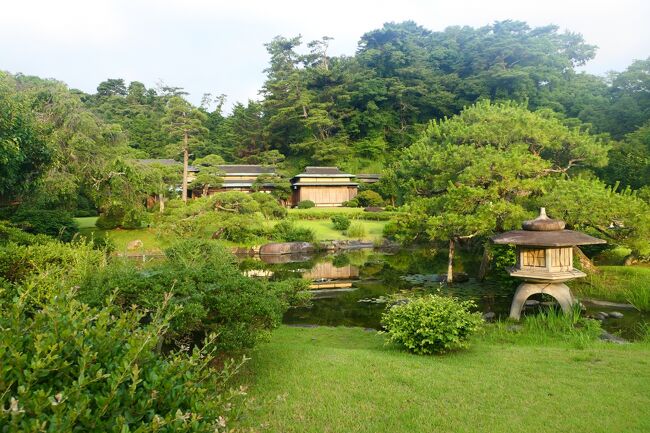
{"points": [[544, 260]]}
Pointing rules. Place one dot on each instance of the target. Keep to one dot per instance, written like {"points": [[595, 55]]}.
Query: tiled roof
{"points": [[247, 169], [166, 162], [322, 170]]}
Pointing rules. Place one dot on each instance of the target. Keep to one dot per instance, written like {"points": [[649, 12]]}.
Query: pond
{"points": [[350, 289]]}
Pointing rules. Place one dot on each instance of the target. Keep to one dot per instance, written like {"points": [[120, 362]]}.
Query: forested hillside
{"points": [[357, 112]]}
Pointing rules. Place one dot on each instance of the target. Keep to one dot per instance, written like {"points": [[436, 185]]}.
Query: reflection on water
{"points": [[347, 285]]}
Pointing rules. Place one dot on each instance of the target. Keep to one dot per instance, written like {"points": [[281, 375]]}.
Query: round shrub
{"points": [[369, 198], [341, 222], [286, 231], [351, 203], [431, 324], [306, 204]]}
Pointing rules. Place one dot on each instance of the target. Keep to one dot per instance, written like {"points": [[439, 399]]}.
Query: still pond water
{"points": [[349, 288]]}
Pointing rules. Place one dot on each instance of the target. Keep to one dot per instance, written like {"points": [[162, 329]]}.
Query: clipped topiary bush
{"points": [[369, 198], [306, 204], [341, 222], [432, 324]]}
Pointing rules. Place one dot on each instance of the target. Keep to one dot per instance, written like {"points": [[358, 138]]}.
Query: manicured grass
{"points": [[86, 222], [618, 283], [324, 230], [120, 238], [347, 380]]}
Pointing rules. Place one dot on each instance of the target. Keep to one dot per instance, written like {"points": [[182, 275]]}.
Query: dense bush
{"points": [[235, 201], [341, 222], [369, 198], [357, 214], [11, 233], [206, 282], [69, 367], [431, 324], [242, 229], [269, 205], [40, 269], [125, 218], [286, 231], [364, 199], [306, 204], [55, 223], [356, 230]]}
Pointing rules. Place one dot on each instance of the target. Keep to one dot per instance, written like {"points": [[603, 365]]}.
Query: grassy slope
{"points": [[618, 283], [121, 238], [322, 228], [346, 380], [325, 231]]}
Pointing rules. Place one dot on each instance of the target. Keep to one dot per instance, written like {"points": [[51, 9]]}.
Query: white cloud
{"points": [[217, 46]]}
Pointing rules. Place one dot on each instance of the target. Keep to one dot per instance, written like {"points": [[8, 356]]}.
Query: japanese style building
{"points": [[325, 186], [240, 178]]}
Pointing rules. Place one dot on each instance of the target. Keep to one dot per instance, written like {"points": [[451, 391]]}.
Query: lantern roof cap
{"points": [[545, 232], [543, 223], [555, 238]]}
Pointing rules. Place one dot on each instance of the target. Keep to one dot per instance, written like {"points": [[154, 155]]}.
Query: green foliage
{"points": [[306, 204], [351, 203], [12, 234], [56, 223], [205, 281], [369, 198], [38, 269], [356, 230], [24, 154], [431, 324], [269, 205], [70, 367], [341, 222], [286, 231]]}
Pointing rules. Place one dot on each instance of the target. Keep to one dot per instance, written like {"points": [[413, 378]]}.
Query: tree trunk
{"points": [[186, 157], [206, 188], [585, 262], [161, 202], [485, 263], [450, 265]]}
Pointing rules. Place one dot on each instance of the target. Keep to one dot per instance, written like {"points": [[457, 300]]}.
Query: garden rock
{"points": [[616, 315], [134, 245], [611, 338], [490, 315], [531, 303]]}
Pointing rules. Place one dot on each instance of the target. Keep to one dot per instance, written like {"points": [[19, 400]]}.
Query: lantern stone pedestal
{"points": [[560, 291], [544, 260]]}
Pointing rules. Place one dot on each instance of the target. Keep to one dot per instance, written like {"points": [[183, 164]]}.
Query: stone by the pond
{"points": [[134, 245], [279, 248], [490, 315], [616, 315], [606, 336], [601, 315], [547, 303], [531, 303]]}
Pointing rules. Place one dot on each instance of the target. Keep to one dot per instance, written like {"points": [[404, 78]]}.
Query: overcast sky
{"points": [[217, 46]]}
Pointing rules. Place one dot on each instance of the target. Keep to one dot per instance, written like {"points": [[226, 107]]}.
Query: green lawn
{"points": [[151, 242], [325, 231], [346, 380], [618, 283]]}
